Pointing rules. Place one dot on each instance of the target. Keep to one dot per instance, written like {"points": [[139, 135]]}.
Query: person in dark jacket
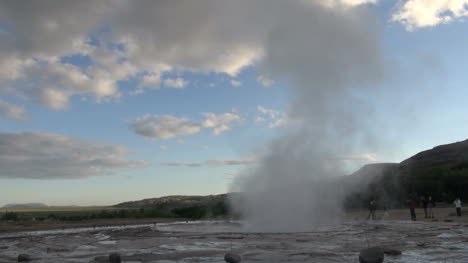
{"points": [[411, 206], [372, 207], [424, 205]]}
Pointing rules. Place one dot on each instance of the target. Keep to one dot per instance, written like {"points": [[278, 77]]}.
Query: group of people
{"points": [[426, 203]]}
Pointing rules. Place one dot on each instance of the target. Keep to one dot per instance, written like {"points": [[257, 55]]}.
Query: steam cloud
{"points": [[330, 57]]}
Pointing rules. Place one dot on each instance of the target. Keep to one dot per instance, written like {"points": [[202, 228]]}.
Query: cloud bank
{"points": [[143, 40], [40, 155], [214, 162]]}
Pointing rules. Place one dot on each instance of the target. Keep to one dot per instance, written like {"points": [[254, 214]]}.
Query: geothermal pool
{"points": [[208, 241]]}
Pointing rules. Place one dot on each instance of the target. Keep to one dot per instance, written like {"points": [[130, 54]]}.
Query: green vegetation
{"points": [[163, 210], [10, 216]]}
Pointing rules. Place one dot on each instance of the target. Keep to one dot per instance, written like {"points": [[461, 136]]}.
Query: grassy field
{"points": [[56, 209], [58, 212]]}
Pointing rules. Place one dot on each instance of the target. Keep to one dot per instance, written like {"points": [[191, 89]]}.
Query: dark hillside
{"points": [[441, 172]]}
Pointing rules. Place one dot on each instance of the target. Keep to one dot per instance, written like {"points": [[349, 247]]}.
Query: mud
{"points": [[208, 241]]}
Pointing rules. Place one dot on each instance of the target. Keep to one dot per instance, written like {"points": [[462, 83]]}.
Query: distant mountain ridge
{"points": [[26, 205]]}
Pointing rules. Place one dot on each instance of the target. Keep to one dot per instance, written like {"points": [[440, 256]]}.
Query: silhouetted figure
{"points": [[458, 205], [430, 205], [372, 207], [385, 211], [424, 205], [411, 207]]}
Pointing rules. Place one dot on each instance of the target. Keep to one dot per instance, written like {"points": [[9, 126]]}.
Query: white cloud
{"points": [[163, 126], [40, 35], [335, 3], [214, 162], [278, 123], [163, 148], [151, 80], [180, 141], [181, 164], [236, 83], [177, 83], [52, 83], [259, 120], [265, 81], [145, 40], [274, 118], [426, 13], [269, 112], [222, 162], [222, 128], [40, 155], [9, 111], [212, 120], [168, 126]]}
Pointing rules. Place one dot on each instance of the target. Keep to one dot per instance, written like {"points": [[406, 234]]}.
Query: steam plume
{"points": [[329, 57]]}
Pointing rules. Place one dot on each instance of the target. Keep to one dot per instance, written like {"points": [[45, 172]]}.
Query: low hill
{"points": [[191, 206], [175, 201]]}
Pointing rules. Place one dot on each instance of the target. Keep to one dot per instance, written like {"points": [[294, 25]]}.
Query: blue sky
{"points": [[102, 107]]}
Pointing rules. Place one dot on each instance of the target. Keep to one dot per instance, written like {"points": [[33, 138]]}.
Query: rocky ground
{"points": [[208, 241], [22, 226]]}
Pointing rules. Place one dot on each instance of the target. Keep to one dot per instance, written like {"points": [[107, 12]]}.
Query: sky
{"points": [[108, 101]]}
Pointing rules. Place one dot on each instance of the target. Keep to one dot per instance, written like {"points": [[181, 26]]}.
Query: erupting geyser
{"points": [[330, 64]]}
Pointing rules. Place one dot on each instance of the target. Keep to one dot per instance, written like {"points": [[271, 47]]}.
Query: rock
{"points": [[390, 251], [448, 220], [232, 258], [371, 255], [3, 247], [23, 258], [115, 258]]}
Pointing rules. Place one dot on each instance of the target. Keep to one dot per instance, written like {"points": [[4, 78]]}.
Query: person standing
{"points": [[372, 207], [430, 205], [457, 203], [411, 207], [424, 205]]}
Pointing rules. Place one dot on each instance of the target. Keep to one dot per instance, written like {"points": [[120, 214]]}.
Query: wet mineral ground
{"points": [[209, 241]]}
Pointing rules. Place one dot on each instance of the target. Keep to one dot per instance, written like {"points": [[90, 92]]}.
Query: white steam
{"points": [[330, 58]]}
